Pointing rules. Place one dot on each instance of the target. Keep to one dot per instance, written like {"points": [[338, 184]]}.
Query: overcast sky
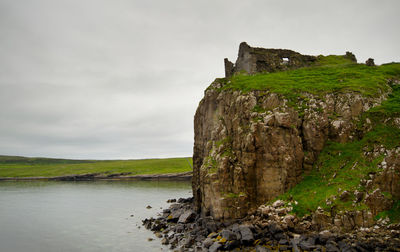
{"points": [[109, 79]]}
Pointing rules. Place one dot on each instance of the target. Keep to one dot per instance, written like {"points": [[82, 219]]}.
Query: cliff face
{"points": [[257, 136], [251, 147]]}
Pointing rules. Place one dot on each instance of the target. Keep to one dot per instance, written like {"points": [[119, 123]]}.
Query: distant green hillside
{"points": [[13, 166], [39, 160]]}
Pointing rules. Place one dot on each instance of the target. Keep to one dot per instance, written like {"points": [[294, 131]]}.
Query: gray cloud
{"points": [[122, 79]]}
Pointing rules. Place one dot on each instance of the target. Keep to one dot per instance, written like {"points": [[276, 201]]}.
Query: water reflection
{"points": [[82, 216]]}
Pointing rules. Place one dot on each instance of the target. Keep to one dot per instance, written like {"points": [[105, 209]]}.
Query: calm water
{"points": [[82, 216]]}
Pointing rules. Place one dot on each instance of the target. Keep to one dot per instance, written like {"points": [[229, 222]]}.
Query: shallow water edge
{"points": [[82, 215]]}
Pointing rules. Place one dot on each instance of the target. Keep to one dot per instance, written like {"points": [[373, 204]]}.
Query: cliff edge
{"points": [[279, 120]]}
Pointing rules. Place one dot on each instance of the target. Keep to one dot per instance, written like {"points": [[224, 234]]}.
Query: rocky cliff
{"points": [[255, 137]]}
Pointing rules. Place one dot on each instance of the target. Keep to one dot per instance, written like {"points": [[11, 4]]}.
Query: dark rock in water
{"points": [[228, 235], [187, 216], [154, 225], [148, 207], [147, 223], [171, 200], [215, 247], [247, 234], [164, 241], [157, 226]]}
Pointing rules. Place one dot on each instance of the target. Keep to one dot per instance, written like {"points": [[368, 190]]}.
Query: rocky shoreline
{"points": [[270, 228], [98, 176]]}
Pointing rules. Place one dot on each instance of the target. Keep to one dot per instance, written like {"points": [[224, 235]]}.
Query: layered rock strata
{"points": [[251, 147]]}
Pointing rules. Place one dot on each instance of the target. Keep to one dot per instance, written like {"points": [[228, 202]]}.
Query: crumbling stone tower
{"points": [[255, 60]]}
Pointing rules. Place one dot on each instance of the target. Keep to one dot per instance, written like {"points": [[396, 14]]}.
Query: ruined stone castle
{"points": [[255, 60]]}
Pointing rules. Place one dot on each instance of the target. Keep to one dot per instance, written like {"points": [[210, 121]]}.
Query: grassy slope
{"points": [[343, 165], [339, 165], [33, 167]]}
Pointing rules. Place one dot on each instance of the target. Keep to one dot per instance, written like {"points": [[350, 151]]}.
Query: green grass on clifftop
{"points": [[329, 74], [47, 167]]}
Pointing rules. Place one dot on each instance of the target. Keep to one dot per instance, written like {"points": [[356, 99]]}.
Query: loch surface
{"points": [[82, 216]]}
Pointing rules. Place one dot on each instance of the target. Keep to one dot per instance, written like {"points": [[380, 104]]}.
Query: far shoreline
{"points": [[182, 176], [25, 168]]}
